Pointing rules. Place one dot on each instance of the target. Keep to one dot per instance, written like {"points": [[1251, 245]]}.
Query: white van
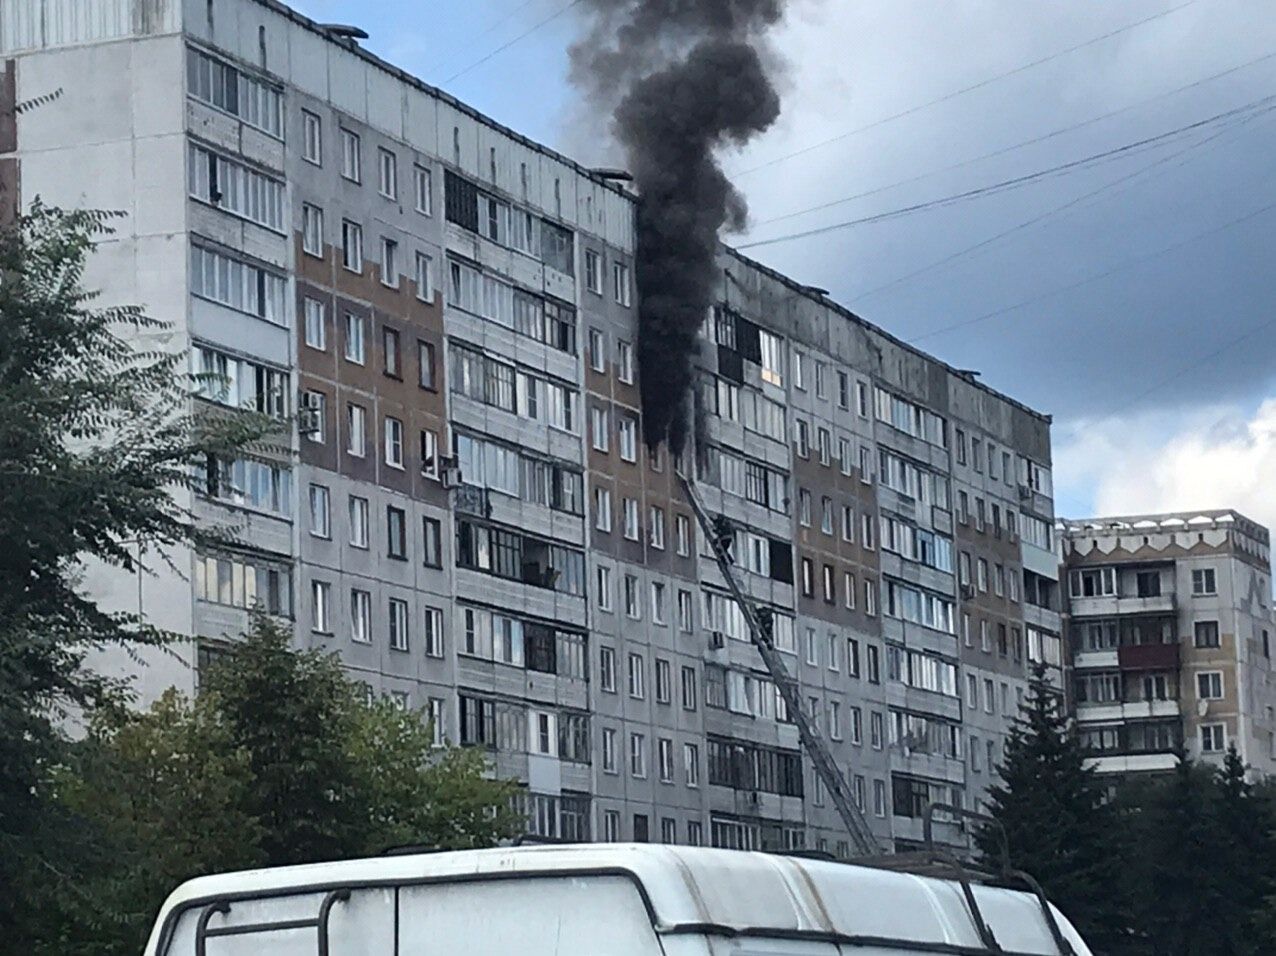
{"points": [[600, 900]]}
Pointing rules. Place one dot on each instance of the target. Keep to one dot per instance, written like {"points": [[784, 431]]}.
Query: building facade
{"points": [[442, 316], [1169, 623]]}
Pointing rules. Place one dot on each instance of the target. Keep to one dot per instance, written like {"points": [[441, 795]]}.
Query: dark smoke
{"points": [[682, 79]]}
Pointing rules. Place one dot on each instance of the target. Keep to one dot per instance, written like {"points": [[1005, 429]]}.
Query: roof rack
{"points": [[938, 860]]}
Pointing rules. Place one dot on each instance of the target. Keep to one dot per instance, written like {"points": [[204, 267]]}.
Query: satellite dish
{"points": [[1202, 708]]}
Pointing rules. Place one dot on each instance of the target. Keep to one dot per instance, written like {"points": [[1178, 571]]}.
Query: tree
{"points": [[280, 759], [1059, 825], [97, 434], [335, 775], [154, 799]]}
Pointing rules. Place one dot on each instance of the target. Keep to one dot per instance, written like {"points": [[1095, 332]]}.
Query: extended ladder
{"points": [[757, 618]]}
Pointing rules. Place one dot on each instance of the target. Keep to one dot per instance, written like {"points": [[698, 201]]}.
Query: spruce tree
{"points": [[1059, 825]]}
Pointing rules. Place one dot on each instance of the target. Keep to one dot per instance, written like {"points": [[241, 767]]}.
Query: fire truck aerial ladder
{"points": [[720, 533]]}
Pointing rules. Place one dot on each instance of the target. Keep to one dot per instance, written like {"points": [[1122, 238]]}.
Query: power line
{"points": [[1128, 263], [1049, 213], [1025, 143], [522, 36], [490, 28], [1208, 357], [1017, 181], [964, 90]]}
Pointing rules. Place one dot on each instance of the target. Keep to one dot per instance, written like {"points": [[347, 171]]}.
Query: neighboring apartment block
{"points": [[1170, 624], [442, 315]]}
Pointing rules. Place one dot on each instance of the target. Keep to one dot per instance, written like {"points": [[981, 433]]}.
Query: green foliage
{"points": [[96, 435], [1058, 824], [280, 759]]}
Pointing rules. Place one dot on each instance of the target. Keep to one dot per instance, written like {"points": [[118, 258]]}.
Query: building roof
{"points": [[804, 290], [700, 890], [1169, 521]]}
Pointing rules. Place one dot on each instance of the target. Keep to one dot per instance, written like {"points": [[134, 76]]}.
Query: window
{"points": [[873, 662], [870, 598], [823, 443], [311, 138], [360, 616], [611, 826], [826, 515], [682, 531], [602, 509], [358, 522], [391, 353], [609, 750], [638, 759], [625, 362], [393, 442], [432, 542], [604, 588], [1213, 738], [235, 188], [315, 327], [1209, 685], [799, 370], [635, 674], [804, 507], [239, 284], [593, 272], [1203, 581], [396, 532], [656, 527], [620, 284], [689, 696], [429, 454], [801, 438], [351, 156], [657, 602], [684, 611], [1205, 634], [875, 730], [630, 508], [627, 430], [433, 626], [311, 230], [354, 338], [320, 606], [835, 720], [425, 361], [599, 429], [633, 609], [424, 193], [387, 174], [664, 751], [691, 765], [424, 277], [356, 422], [320, 512], [352, 245], [398, 621], [866, 531], [607, 669]]}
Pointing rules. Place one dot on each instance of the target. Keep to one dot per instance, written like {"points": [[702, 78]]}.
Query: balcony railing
{"points": [[1148, 657]]}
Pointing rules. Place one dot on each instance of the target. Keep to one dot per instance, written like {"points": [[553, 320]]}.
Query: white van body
{"points": [[593, 900]]}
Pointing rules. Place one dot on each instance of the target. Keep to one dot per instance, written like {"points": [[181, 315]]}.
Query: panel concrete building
{"points": [[442, 315], [1169, 623]]}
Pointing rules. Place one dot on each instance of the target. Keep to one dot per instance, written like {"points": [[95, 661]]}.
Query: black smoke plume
{"points": [[682, 78]]}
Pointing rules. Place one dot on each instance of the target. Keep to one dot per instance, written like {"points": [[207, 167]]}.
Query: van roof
{"points": [[696, 889]]}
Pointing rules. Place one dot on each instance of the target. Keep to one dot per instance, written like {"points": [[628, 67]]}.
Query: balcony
{"points": [[1127, 710], [1113, 605], [1148, 657]]}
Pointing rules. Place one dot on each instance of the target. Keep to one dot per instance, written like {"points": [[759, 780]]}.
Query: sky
{"points": [[1132, 297]]}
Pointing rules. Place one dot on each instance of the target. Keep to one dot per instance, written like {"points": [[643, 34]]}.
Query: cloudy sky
{"points": [[1132, 297]]}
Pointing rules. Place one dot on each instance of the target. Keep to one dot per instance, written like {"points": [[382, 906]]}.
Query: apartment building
{"points": [[1169, 621], [442, 316]]}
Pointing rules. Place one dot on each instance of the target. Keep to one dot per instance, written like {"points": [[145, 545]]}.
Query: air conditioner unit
{"points": [[309, 421], [968, 591], [753, 797], [717, 640], [450, 475], [1025, 491]]}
